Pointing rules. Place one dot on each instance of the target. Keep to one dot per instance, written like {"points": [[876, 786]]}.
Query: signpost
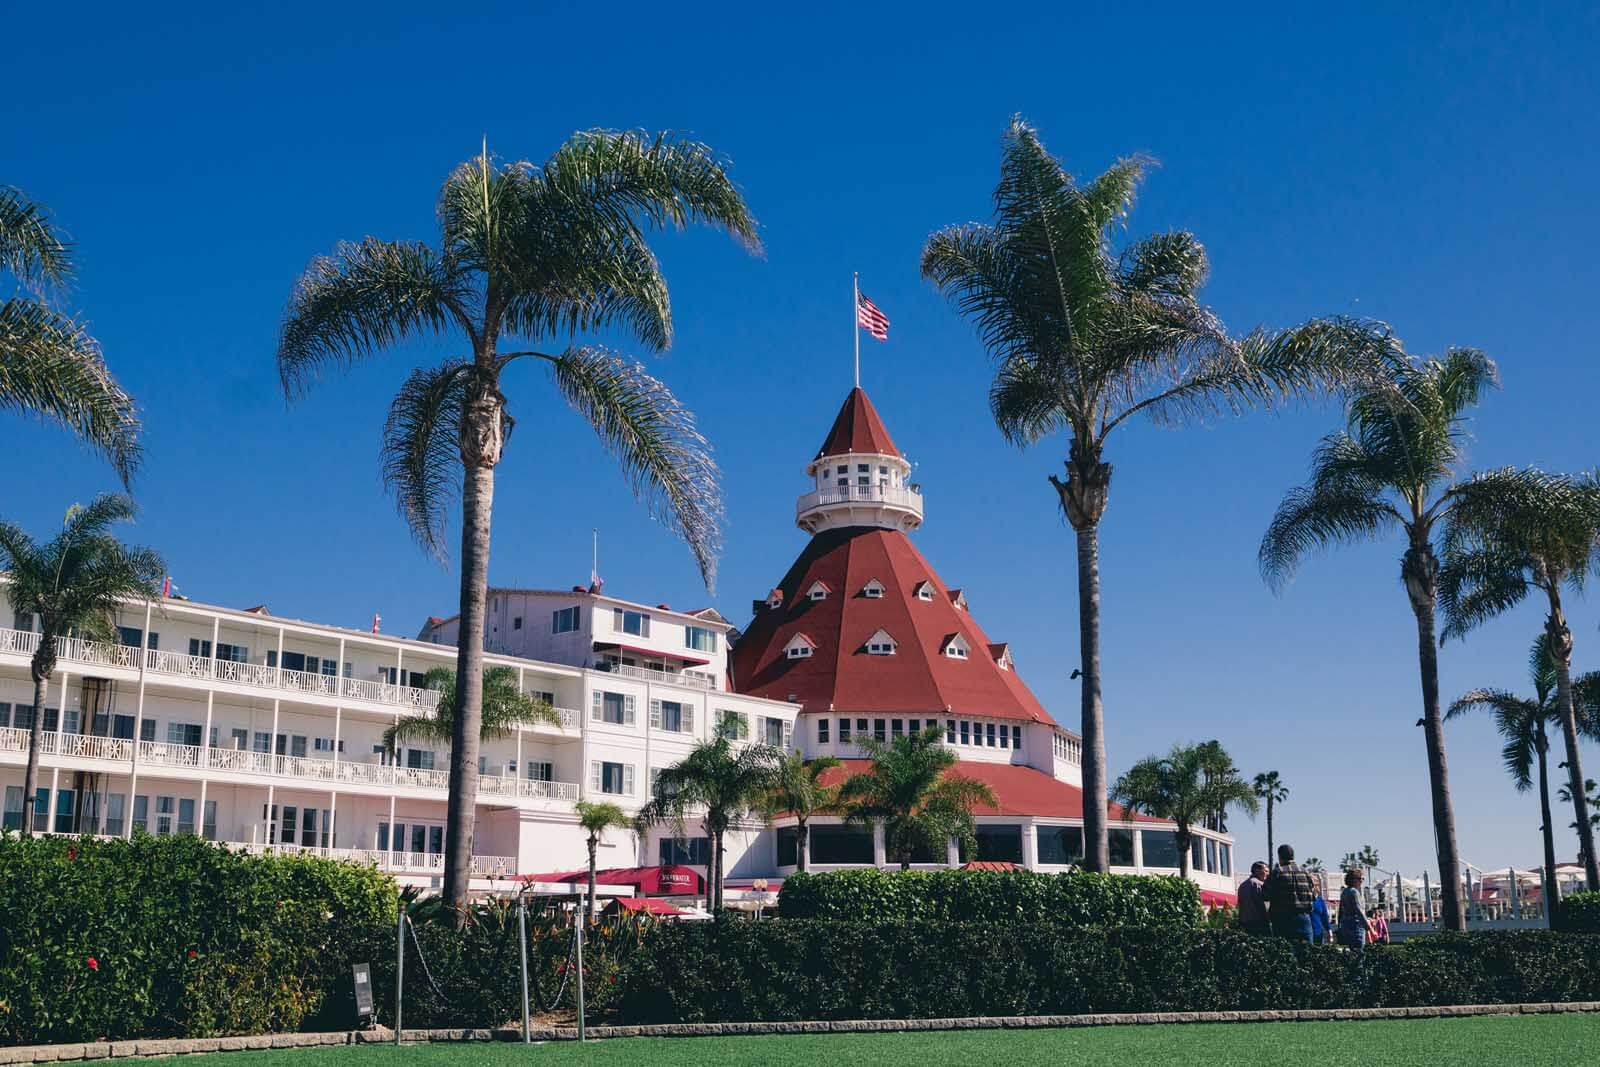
{"points": [[363, 977]]}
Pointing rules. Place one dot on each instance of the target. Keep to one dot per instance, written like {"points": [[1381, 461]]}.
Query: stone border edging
{"points": [[102, 1050]]}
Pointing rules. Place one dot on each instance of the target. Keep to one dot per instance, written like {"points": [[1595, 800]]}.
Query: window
{"points": [[878, 733], [690, 851], [799, 647], [1001, 844], [23, 620], [672, 716], [955, 646], [844, 731], [700, 639], [880, 644], [774, 732], [5, 714], [543, 697], [1225, 860], [896, 728], [818, 591], [1211, 856], [614, 708], [924, 590], [788, 846], [186, 815], [837, 844], [11, 818], [130, 636], [950, 732], [419, 759], [232, 653], [636, 623], [200, 648], [736, 724], [965, 737], [822, 731], [325, 744], [183, 733], [564, 621], [116, 811], [1121, 847], [516, 623], [1005, 736], [164, 810], [262, 742], [147, 730], [1060, 845], [861, 727], [1160, 848], [208, 828], [873, 590], [989, 732], [613, 778], [541, 771], [141, 813], [1197, 853], [1016, 738]]}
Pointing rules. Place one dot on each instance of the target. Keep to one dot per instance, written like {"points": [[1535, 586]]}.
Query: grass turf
{"points": [[1523, 1040]]}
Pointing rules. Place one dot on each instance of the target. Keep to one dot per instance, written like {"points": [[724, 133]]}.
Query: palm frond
{"points": [[665, 459], [421, 450], [31, 247], [51, 367], [1030, 400], [988, 282], [1312, 518], [364, 298], [1476, 585]]}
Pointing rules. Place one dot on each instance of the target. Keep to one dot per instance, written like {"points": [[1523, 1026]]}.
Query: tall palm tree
{"points": [[798, 791], [1515, 532], [909, 790], [505, 708], [74, 583], [1590, 787], [49, 364], [535, 253], [1177, 787], [595, 820], [1270, 788], [1523, 725], [1085, 339], [720, 780], [1395, 468]]}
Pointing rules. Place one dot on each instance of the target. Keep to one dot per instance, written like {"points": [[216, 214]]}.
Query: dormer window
{"points": [[959, 599], [955, 646], [873, 590], [880, 644], [818, 591], [924, 590], [1002, 657], [799, 647], [775, 599]]}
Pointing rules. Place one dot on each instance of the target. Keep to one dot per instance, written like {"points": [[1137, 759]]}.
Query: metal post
{"points": [[1544, 897], [399, 968], [1427, 898], [522, 939], [1516, 894], [578, 924]]}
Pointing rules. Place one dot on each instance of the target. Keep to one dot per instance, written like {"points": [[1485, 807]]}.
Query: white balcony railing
{"points": [[256, 675], [693, 679], [905, 499], [392, 862]]}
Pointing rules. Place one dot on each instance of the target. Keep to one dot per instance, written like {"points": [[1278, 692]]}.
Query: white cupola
{"points": [[859, 477]]}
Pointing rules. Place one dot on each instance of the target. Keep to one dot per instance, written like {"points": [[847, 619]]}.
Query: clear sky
{"points": [[1433, 170]]}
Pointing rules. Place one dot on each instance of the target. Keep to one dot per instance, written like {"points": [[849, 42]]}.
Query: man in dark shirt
{"points": [[1291, 892], [1252, 904]]}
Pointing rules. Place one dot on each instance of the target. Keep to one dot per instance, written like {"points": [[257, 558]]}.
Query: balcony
{"points": [[848, 504], [295, 769], [692, 679], [255, 675]]}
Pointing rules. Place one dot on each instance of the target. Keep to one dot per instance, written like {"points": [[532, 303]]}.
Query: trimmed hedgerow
{"points": [[813, 969], [1579, 913], [176, 937], [1073, 899]]}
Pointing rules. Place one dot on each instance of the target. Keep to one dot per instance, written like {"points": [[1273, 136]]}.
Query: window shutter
{"points": [[627, 778], [628, 706], [655, 715], [597, 706], [688, 718], [594, 776]]}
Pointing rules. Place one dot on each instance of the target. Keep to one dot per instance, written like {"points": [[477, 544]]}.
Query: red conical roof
{"points": [[858, 429], [918, 678]]}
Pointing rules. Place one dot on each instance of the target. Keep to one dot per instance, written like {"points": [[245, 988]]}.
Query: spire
{"points": [[859, 477], [858, 429]]}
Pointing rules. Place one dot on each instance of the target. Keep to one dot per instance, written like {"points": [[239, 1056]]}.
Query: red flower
{"points": [[193, 954], [92, 963], [72, 853]]}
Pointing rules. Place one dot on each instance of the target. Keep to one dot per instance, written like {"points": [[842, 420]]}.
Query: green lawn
{"points": [[1524, 1041]]}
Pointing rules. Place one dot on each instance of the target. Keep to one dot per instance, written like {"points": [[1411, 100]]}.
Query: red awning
{"points": [[1210, 898], [652, 652], [646, 906], [989, 865], [671, 880]]}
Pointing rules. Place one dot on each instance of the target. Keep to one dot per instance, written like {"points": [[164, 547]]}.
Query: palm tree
{"points": [[49, 364], [1368, 858], [1270, 788], [1510, 533], [595, 820], [1177, 787], [1395, 468], [505, 709], [1589, 787], [74, 583], [798, 791], [909, 790], [1314, 864], [721, 780], [1085, 339], [1523, 725], [1351, 862], [539, 254]]}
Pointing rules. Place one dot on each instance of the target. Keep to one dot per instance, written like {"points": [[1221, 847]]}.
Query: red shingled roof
{"points": [[1020, 790], [858, 429], [840, 674]]}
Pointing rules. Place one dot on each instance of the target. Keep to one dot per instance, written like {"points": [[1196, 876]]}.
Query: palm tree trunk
{"points": [[594, 841], [1420, 570], [1096, 836], [801, 835], [1182, 837], [44, 661], [1552, 891], [1269, 831], [1560, 638]]}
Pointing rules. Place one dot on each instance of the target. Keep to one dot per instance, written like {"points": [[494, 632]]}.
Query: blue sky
{"points": [[1433, 170]]}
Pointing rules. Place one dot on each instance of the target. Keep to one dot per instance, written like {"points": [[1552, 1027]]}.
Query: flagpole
{"points": [[855, 318]]}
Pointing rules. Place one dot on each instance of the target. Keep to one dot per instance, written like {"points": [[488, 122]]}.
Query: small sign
{"points": [[363, 973]]}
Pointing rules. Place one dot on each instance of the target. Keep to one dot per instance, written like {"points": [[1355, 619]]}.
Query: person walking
{"points": [[1353, 925], [1252, 904], [1378, 926], [1291, 893], [1320, 926]]}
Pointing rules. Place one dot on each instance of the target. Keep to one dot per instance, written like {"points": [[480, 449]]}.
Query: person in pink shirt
{"points": [[1378, 927]]}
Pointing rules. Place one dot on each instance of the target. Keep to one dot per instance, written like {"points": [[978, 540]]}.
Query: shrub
{"points": [[1075, 899], [815, 969], [1579, 913], [174, 936]]}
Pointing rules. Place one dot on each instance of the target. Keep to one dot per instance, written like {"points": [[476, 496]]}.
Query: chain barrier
{"points": [[565, 972], [440, 993]]}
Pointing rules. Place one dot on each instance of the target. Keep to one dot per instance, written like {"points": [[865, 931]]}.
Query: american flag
{"points": [[868, 316]]}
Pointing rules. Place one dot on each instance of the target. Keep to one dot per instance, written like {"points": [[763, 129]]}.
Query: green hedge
{"points": [[1076, 899], [1579, 913], [176, 937], [814, 969]]}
